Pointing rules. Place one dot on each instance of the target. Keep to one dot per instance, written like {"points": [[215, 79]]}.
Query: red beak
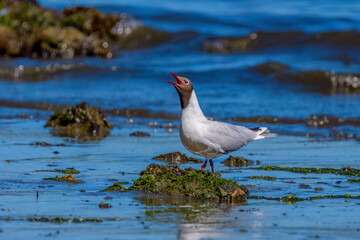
{"points": [[178, 82]]}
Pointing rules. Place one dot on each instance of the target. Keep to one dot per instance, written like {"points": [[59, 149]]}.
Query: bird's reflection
{"points": [[194, 218]]}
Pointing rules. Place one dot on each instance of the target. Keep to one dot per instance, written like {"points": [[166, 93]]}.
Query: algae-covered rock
{"points": [[29, 30], [172, 180], [65, 178], [116, 187], [80, 121], [237, 162], [176, 158]]}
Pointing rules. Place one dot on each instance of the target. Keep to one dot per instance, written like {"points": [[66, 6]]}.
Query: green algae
{"points": [[80, 121], [63, 171], [65, 178], [293, 198], [177, 158], [353, 180], [237, 162], [66, 220], [343, 171], [173, 181], [288, 199], [263, 177]]}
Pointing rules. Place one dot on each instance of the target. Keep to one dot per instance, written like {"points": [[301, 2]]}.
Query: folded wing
{"points": [[226, 137]]}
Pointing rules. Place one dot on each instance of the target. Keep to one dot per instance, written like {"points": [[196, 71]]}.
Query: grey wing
{"points": [[228, 137]]}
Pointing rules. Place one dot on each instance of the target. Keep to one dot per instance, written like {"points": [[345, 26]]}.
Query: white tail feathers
{"points": [[263, 132]]}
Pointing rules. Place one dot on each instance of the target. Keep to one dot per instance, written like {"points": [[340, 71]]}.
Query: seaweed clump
{"points": [[80, 121], [237, 162], [65, 178], [177, 158], [197, 184]]}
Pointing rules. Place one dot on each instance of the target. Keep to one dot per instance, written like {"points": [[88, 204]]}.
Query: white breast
{"points": [[193, 127]]}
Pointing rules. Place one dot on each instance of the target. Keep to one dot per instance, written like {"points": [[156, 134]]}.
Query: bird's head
{"points": [[184, 88]]}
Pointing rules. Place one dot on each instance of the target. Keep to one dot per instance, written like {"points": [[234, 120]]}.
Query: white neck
{"points": [[192, 110]]}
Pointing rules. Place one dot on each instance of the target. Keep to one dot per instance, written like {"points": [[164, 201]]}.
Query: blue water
{"points": [[226, 87]]}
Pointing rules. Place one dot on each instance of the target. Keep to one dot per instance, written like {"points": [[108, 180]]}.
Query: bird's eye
{"points": [[186, 82]]}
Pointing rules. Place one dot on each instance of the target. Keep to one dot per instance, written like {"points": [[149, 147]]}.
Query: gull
{"points": [[208, 138]]}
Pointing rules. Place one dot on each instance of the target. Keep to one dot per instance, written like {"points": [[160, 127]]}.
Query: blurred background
{"points": [[292, 66], [250, 61]]}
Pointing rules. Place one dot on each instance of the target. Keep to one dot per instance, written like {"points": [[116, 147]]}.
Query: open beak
{"points": [[178, 82]]}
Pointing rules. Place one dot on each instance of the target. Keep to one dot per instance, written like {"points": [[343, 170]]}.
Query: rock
{"points": [[140, 134], [237, 162], [80, 121], [177, 158], [104, 205], [173, 181]]}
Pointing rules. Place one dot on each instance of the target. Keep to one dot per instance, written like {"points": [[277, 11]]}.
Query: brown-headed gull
{"points": [[208, 138]]}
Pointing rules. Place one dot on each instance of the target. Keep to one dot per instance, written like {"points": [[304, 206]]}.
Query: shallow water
{"points": [[227, 86]]}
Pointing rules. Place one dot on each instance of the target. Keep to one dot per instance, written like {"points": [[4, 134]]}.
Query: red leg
{"points": [[212, 166], [204, 165]]}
